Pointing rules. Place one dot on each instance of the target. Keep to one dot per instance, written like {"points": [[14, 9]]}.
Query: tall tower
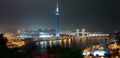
{"points": [[57, 13]]}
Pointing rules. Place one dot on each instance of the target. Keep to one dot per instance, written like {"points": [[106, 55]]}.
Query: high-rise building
{"points": [[117, 37], [83, 32], [77, 32], [57, 13]]}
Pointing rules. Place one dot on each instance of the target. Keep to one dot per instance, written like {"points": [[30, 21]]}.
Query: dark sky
{"points": [[93, 15]]}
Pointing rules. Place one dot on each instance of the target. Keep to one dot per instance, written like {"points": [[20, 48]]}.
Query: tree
{"points": [[6, 52], [3, 40], [65, 52]]}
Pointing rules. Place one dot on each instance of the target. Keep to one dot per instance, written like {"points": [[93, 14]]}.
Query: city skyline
{"points": [[92, 15]]}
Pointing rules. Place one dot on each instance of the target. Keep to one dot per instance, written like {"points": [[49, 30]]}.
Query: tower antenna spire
{"points": [[57, 6]]}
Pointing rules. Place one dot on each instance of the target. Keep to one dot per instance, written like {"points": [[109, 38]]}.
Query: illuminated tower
{"points": [[57, 13]]}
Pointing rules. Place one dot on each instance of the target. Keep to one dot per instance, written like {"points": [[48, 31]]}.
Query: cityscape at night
{"points": [[59, 29]]}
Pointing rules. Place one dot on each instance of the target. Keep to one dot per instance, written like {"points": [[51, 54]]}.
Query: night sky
{"points": [[93, 15]]}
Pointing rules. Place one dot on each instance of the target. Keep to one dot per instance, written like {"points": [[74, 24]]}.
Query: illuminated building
{"points": [[41, 35], [117, 37], [77, 32], [83, 32]]}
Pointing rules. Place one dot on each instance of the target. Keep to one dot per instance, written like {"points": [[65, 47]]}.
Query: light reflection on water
{"points": [[65, 43], [50, 43], [69, 43], [72, 43], [60, 42]]}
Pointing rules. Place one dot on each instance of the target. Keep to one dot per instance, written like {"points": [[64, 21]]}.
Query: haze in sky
{"points": [[93, 15]]}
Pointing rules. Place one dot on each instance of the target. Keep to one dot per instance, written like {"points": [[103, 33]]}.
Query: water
{"points": [[72, 42]]}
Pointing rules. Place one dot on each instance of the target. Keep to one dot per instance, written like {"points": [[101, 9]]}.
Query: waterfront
{"points": [[78, 43]]}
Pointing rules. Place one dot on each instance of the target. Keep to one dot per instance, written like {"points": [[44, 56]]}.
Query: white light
{"points": [[45, 35], [18, 31], [42, 44], [100, 53], [57, 13], [25, 36], [57, 10], [87, 53]]}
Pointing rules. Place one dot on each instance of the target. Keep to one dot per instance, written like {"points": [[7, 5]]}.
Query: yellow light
{"points": [[116, 57]]}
